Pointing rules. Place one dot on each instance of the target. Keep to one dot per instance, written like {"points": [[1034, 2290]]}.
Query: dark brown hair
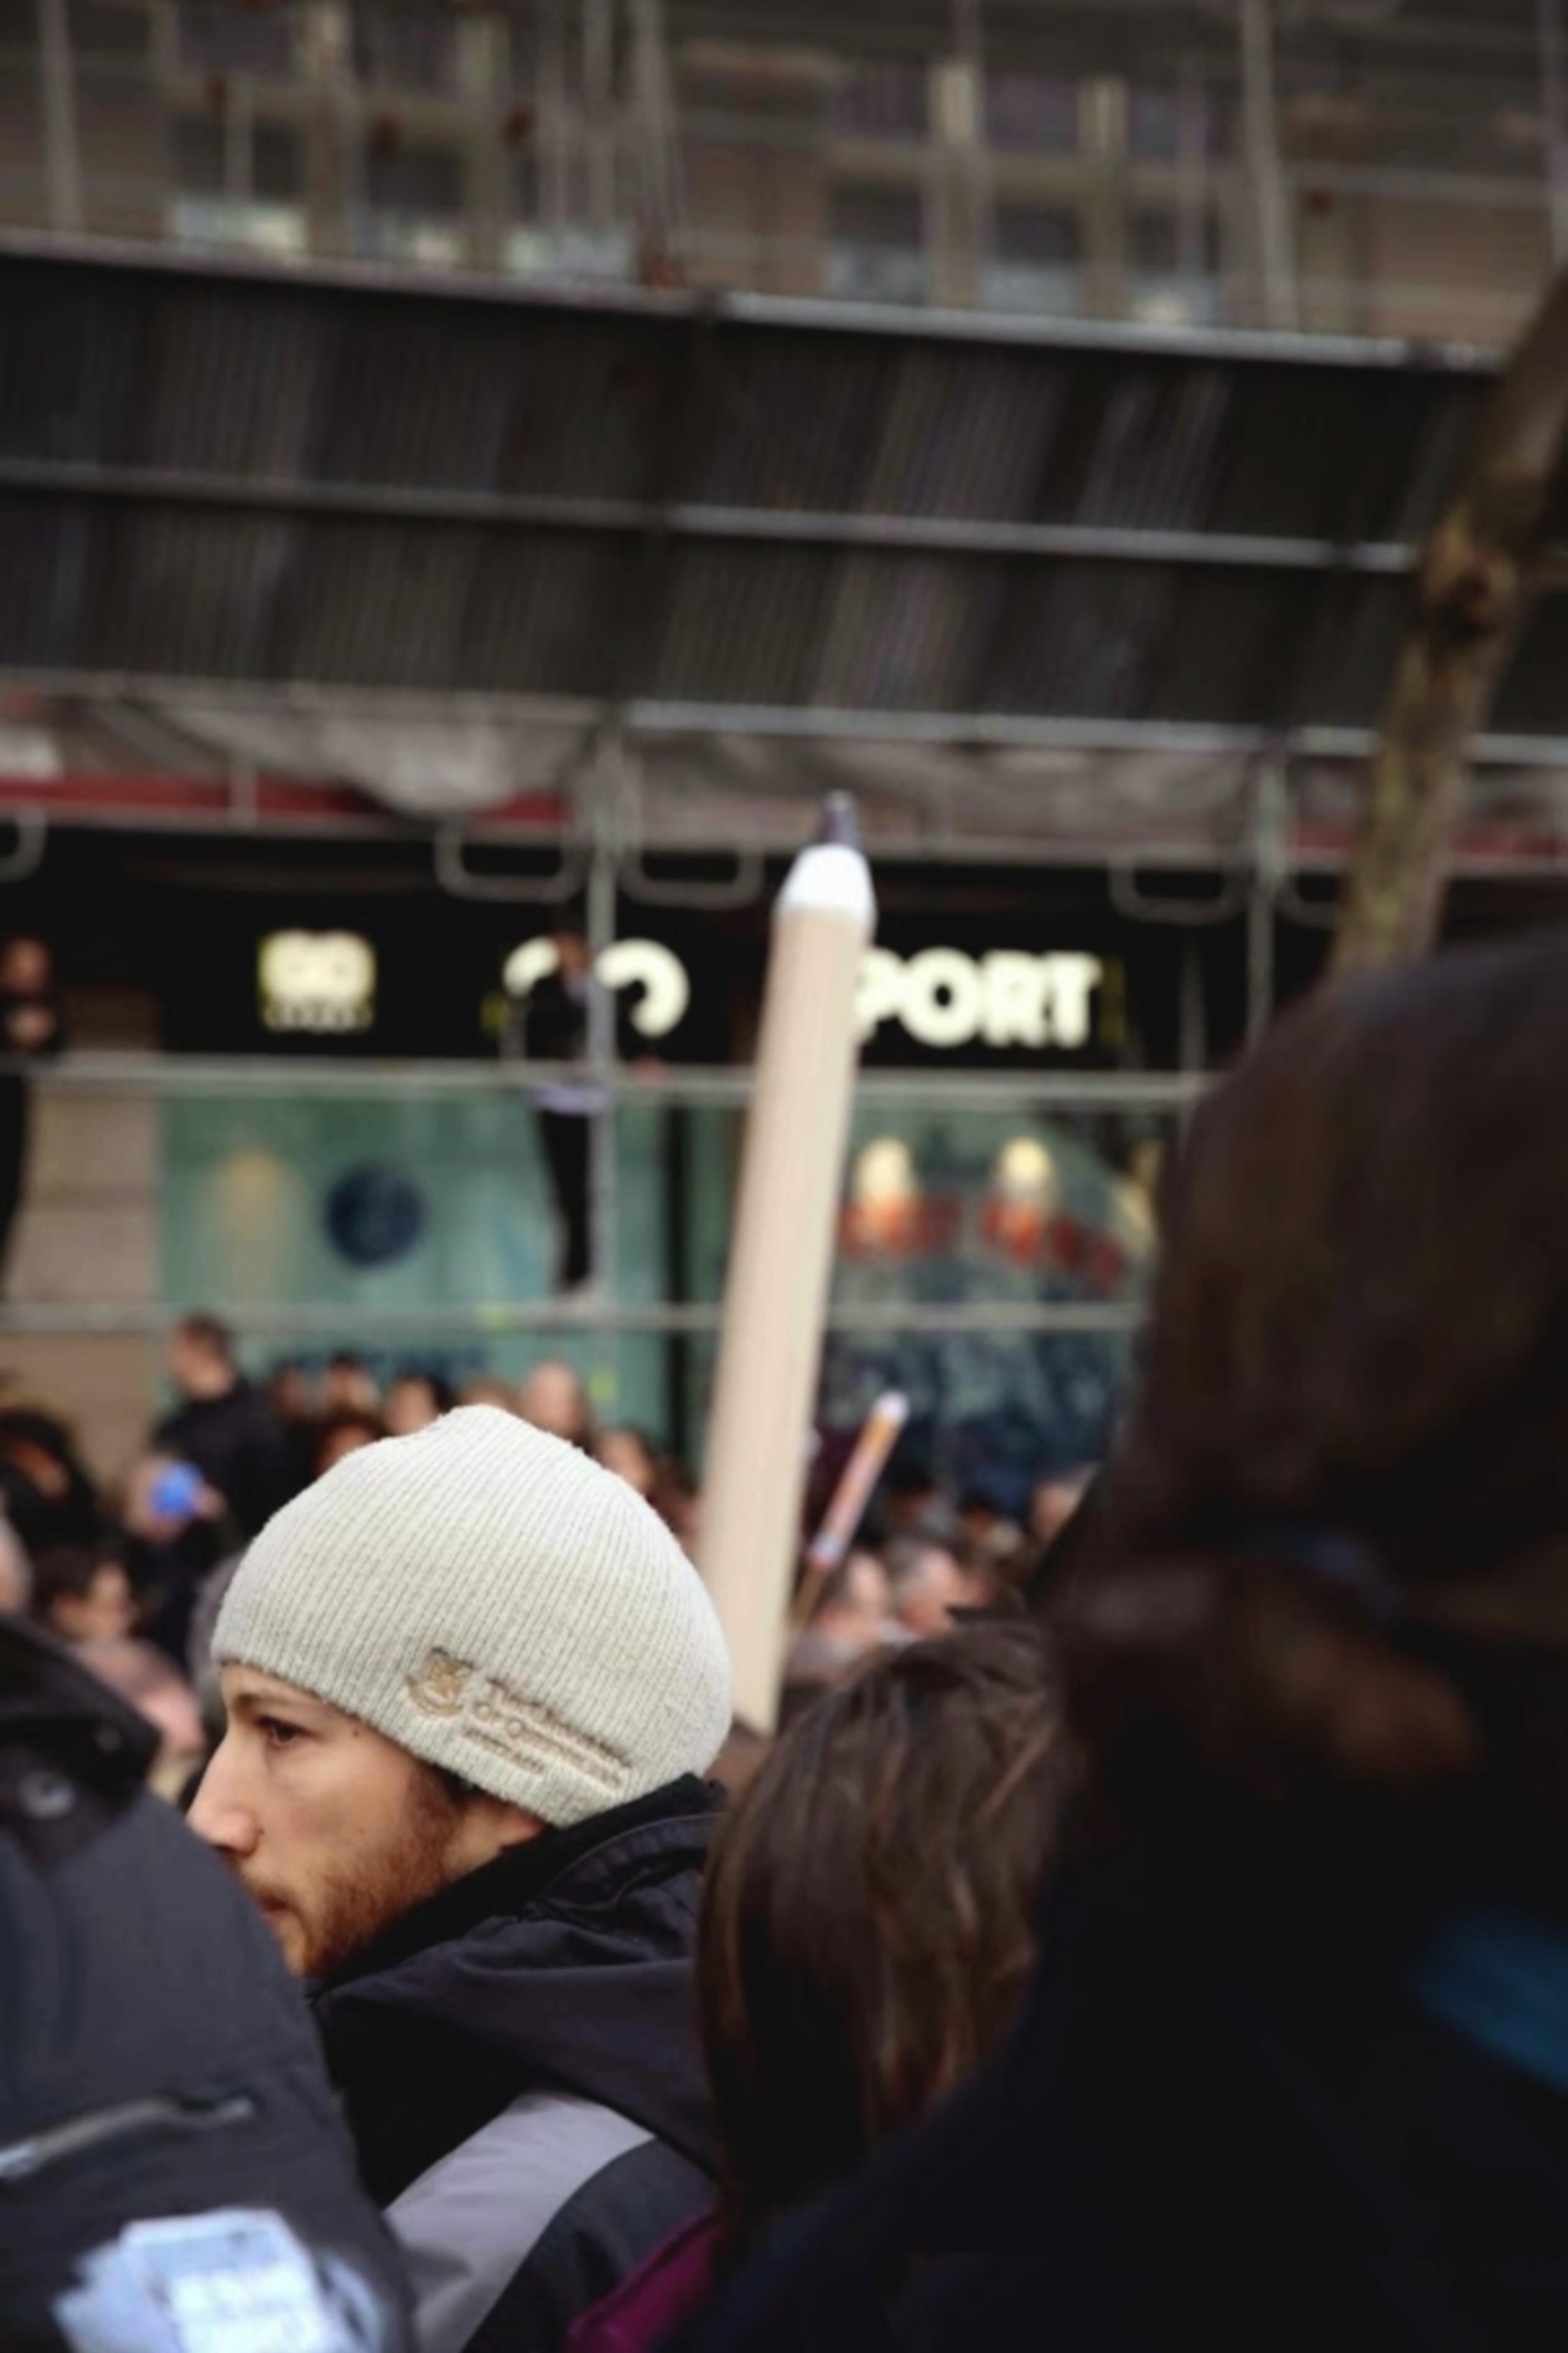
{"points": [[1347, 1472], [868, 1924]]}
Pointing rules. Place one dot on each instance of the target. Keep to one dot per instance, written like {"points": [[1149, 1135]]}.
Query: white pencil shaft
{"points": [[780, 1266]]}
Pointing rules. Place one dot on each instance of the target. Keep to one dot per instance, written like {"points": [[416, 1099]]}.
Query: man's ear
{"points": [[489, 1826]]}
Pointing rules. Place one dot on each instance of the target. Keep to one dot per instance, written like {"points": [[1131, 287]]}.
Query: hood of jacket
{"points": [[565, 1964]]}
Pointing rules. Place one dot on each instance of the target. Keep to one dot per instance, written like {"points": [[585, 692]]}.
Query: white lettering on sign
{"points": [[945, 999], [941, 996], [643, 964], [317, 981]]}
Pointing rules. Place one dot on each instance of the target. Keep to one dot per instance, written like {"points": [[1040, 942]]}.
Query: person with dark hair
{"points": [[1295, 2066], [173, 2171], [348, 1385], [50, 1495], [869, 1927], [223, 1429], [290, 1395], [81, 1593], [344, 1432]]}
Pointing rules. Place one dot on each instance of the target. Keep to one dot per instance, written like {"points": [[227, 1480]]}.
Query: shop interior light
{"points": [[885, 1174], [1026, 1171]]}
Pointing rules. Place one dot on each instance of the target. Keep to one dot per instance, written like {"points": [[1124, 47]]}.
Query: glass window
{"points": [[882, 101], [231, 38], [406, 47], [1032, 113], [1036, 233], [1155, 125], [877, 234], [1037, 252], [100, 29], [199, 155], [411, 179], [276, 162]]}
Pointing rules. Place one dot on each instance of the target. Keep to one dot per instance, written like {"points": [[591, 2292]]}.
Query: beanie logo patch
{"points": [[485, 1711], [438, 1688]]}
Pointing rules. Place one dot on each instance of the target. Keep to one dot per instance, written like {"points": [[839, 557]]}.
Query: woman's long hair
{"points": [[1329, 1563]]}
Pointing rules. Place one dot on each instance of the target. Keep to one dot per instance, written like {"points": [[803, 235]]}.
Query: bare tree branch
{"points": [[1479, 572]]}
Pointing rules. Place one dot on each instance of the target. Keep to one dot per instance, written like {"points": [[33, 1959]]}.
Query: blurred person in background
{"points": [[987, 1531], [16, 1574], [414, 1400], [30, 1030], [470, 1682], [631, 1456], [50, 1495], [175, 2173], [555, 1030], [868, 1926], [348, 1385], [81, 1594], [223, 1427], [154, 1687], [553, 1400], [489, 1388], [291, 1401], [931, 1580], [852, 1618], [913, 1503], [1295, 2067], [176, 1530], [344, 1432]]}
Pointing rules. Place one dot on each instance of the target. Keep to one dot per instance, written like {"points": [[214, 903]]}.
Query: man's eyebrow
{"points": [[255, 1699]]}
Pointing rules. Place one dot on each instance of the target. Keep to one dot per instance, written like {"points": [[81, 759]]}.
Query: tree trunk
{"points": [[1474, 585]]}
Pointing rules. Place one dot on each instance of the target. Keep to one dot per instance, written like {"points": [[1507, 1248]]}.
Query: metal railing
{"points": [[877, 1299]]}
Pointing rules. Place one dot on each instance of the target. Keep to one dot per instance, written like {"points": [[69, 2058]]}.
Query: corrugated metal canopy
{"points": [[240, 475]]}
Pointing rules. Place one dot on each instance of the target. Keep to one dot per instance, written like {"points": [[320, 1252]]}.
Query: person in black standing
{"points": [[30, 1029], [555, 1030], [224, 1428]]}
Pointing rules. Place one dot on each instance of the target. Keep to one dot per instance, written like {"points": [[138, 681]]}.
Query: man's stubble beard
{"points": [[347, 1913]]}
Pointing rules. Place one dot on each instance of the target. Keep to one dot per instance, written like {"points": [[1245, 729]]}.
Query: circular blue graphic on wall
{"points": [[374, 1216]]}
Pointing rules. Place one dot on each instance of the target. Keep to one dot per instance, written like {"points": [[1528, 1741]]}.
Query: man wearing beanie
{"points": [[471, 1682]]}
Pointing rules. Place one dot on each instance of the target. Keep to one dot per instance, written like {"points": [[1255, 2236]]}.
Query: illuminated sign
{"points": [[943, 998], [642, 965], [940, 996], [317, 982]]}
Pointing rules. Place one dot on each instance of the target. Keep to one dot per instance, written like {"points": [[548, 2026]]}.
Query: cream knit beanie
{"points": [[497, 1604]]}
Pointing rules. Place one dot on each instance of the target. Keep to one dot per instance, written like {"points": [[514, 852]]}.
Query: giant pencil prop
{"points": [[781, 1256]]}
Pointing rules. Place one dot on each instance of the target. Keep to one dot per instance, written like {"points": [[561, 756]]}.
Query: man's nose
{"points": [[218, 1812]]}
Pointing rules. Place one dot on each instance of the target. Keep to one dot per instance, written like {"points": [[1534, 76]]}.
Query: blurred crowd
{"points": [[136, 1570], [1149, 1926]]}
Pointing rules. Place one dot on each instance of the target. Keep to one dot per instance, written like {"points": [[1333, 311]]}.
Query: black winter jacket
{"points": [[520, 2063], [167, 2128], [1217, 2126]]}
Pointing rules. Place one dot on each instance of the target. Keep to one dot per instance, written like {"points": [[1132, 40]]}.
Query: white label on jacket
{"points": [[232, 2281]]}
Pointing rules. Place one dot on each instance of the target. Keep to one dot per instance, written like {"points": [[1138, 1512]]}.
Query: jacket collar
{"points": [[591, 1856]]}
